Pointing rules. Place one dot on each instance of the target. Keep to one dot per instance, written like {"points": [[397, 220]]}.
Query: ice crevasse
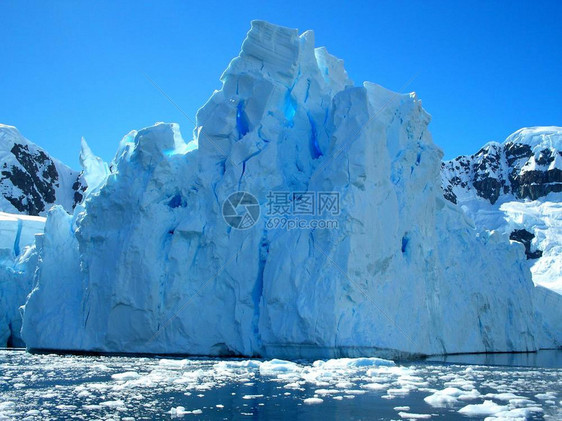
{"points": [[148, 264]]}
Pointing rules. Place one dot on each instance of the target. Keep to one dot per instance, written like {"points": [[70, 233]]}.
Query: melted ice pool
{"points": [[125, 388]]}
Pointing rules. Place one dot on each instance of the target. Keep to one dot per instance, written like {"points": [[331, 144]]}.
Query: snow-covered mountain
{"points": [[152, 260], [31, 181], [515, 187], [528, 165]]}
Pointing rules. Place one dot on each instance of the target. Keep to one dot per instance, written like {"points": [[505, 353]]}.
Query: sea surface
{"points": [[503, 386]]}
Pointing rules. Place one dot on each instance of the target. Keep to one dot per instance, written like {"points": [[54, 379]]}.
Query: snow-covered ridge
{"points": [[30, 180], [538, 138], [527, 165], [148, 264], [515, 188]]}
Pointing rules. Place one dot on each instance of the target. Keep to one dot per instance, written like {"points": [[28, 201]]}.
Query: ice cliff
{"points": [[148, 263]]}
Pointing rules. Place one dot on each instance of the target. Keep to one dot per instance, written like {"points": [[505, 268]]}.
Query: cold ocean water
{"points": [[506, 386]]}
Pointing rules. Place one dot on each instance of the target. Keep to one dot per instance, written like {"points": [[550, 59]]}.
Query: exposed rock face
{"points": [[525, 237], [30, 180], [528, 165]]}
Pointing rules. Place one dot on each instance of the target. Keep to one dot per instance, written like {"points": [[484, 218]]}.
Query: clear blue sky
{"points": [[72, 69]]}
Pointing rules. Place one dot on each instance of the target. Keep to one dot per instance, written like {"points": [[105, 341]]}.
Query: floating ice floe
{"points": [[104, 386]]}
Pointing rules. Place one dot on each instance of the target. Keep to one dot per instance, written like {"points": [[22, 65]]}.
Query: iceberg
{"points": [[149, 264]]}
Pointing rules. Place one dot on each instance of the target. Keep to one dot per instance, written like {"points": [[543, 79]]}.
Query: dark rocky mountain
{"points": [[528, 165], [31, 181]]}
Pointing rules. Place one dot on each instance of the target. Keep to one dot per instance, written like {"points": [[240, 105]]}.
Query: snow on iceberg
{"points": [[147, 264]]}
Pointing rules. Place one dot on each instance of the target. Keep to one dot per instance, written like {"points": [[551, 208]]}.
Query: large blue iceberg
{"points": [[147, 263]]}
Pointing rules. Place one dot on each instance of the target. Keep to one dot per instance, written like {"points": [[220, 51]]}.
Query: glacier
{"points": [[147, 264]]}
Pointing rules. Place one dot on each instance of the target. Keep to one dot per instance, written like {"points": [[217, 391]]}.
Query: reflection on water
{"points": [[545, 359], [39, 387]]}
